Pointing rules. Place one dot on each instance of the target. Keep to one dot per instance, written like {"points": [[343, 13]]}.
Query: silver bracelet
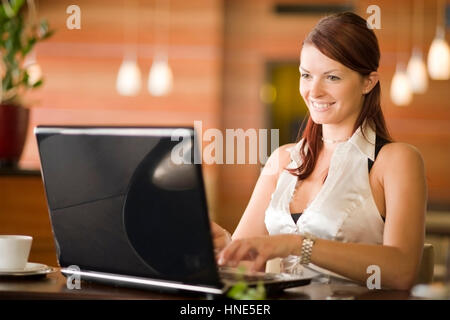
{"points": [[307, 245]]}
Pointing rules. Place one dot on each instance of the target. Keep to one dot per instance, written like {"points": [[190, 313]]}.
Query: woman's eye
{"points": [[305, 75], [333, 78]]}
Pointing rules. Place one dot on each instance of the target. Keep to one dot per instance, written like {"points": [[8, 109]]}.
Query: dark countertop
{"points": [[19, 172], [53, 286]]}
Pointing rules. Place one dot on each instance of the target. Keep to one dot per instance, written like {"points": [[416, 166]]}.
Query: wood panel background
{"points": [[218, 51], [23, 211], [81, 66], [255, 35]]}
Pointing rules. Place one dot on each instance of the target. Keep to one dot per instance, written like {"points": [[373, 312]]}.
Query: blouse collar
{"points": [[364, 144]]}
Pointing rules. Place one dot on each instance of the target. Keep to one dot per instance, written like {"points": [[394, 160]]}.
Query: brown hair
{"points": [[344, 37]]}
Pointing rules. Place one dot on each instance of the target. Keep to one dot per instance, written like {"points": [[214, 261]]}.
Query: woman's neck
{"points": [[332, 135]]}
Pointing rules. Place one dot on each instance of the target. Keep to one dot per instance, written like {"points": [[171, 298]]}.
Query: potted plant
{"points": [[19, 33]]}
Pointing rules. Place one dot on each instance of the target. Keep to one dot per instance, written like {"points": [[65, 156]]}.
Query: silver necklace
{"points": [[334, 141]]}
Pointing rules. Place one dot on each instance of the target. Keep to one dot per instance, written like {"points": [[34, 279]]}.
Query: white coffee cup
{"points": [[14, 252]]}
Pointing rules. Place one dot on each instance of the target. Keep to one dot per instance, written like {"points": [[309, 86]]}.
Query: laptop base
{"points": [[138, 282]]}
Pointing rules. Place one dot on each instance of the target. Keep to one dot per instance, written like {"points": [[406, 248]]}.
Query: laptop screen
{"points": [[128, 201]]}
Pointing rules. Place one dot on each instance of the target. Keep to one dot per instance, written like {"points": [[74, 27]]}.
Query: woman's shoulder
{"points": [[279, 159], [398, 157], [286, 148], [400, 150], [283, 153]]}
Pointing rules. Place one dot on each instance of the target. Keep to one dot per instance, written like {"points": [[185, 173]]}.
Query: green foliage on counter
{"points": [[242, 291]]}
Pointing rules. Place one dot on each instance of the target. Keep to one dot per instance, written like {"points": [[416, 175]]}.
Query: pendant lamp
{"points": [[439, 54], [416, 69], [160, 78], [439, 57], [128, 81], [129, 78], [401, 93]]}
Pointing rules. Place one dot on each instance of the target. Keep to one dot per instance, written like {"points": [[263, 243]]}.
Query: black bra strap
{"points": [[379, 143]]}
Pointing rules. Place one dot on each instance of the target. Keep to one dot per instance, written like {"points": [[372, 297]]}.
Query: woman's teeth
{"points": [[321, 106]]}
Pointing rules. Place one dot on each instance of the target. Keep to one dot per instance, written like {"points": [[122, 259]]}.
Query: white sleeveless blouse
{"points": [[344, 209]]}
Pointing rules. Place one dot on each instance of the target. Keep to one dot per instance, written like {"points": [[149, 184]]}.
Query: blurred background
{"points": [[230, 64]]}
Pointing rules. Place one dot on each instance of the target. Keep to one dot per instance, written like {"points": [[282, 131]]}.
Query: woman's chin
{"points": [[319, 119]]}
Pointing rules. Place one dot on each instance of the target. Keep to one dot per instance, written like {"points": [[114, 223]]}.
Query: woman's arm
{"points": [[252, 221], [399, 256]]}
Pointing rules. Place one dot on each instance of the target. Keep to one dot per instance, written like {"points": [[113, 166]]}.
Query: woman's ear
{"points": [[370, 81]]}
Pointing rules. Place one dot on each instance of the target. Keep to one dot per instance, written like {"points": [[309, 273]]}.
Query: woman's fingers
{"points": [[216, 230], [260, 262], [260, 249], [246, 249], [220, 236], [241, 253], [227, 253], [219, 242]]}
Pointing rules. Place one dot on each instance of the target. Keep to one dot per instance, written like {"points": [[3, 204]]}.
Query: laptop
{"points": [[127, 207]]}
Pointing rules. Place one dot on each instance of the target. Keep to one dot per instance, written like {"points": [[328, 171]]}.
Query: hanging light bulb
{"points": [[439, 57], [160, 78], [129, 78], [401, 93], [417, 72], [416, 69], [129, 81]]}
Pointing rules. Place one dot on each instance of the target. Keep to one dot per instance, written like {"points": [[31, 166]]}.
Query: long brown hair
{"points": [[344, 37]]}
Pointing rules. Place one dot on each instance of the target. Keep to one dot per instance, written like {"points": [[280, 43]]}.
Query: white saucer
{"points": [[30, 269]]}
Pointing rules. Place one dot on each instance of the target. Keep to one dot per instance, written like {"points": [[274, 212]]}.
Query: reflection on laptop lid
{"points": [[127, 206]]}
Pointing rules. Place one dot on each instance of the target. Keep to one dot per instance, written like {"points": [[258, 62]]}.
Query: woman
{"points": [[355, 212]]}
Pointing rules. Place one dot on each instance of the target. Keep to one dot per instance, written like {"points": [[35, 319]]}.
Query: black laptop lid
{"points": [[119, 203]]}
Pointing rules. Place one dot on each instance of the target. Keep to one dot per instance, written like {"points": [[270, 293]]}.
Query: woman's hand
{"points": [[221, 237], [260, 249]]}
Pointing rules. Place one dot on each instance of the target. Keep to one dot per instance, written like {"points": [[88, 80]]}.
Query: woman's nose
{"points": [[316, 88]]}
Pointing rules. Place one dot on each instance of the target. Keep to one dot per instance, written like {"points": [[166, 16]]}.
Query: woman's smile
{"points": [[321, 106]]}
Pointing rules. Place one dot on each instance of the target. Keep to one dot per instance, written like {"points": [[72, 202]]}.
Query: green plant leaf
{"points": [[241, 291], [12, 10], [17, 40], [25, 78], [48, 34], [38, 83], [16, 5], [28, 46], [43, 27], [238, 290]]}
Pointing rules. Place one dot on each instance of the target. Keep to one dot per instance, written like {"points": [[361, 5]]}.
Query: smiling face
{"points": [[333, 93]]}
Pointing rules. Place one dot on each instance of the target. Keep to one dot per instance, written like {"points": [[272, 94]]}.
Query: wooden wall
{"points": [[255, 35], [218, 51], [81, 66], [23, 211]]}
